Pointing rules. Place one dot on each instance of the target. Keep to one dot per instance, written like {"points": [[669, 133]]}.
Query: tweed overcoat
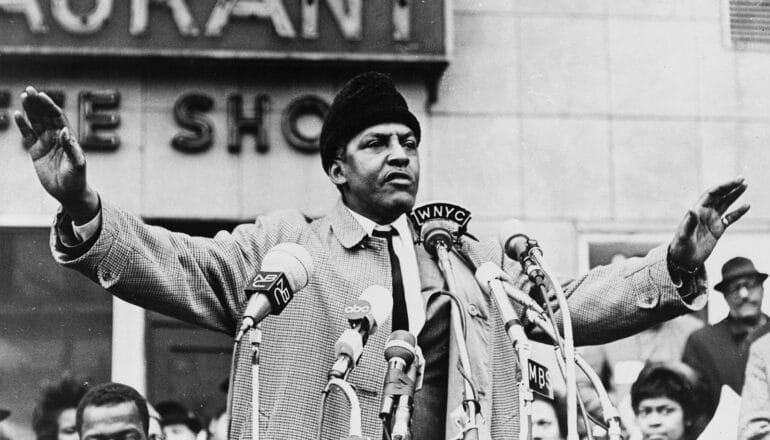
{"points": [[201, 281]]}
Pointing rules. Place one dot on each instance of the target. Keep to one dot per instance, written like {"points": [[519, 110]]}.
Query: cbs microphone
{"points": [[367, 313], [286, 269], [517, 246]]}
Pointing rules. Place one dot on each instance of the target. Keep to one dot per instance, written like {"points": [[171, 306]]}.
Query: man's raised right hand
{"points": [[58, 158]]}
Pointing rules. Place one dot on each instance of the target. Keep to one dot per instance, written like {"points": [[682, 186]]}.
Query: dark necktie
{"points": [[400, 317]]}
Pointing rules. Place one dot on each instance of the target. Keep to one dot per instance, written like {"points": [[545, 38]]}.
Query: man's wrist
{"points": [[682, 277], [83, 209]]}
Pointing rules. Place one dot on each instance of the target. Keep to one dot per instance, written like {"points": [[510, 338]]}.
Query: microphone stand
{"points": [[610, 413], [569, 342], [254, 331], [354, 432], [470, 402]]}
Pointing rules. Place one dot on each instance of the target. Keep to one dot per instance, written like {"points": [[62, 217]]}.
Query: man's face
{"points": [[66, 424], [661, 418], [744, 296], [120, 421], [379, 172]]}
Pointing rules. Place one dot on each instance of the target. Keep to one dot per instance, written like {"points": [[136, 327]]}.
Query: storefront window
{"points": [[52, 320]]}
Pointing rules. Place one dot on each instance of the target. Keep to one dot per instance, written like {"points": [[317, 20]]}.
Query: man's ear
{"points": [[337, 173]]}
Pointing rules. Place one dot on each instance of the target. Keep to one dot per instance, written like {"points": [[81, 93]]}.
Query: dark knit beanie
{"points": [[366, 100]]}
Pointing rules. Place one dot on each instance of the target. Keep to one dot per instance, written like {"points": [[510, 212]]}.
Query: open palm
{"points": [[56, 155], [705, 223]]}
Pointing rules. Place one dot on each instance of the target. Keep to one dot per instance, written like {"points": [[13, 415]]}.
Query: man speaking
{"points": [[369, 149]]}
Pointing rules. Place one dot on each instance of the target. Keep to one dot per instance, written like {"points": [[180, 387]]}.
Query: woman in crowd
{"points": [[671, 402]]}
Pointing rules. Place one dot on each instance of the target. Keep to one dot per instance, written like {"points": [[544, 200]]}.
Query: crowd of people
{"points": [[71, 409], [668, 381]]}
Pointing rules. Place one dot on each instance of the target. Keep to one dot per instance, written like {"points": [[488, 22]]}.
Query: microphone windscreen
{"points": [[509, 229], [291, 259], [400, 344], [381, 302], [436, 231]]}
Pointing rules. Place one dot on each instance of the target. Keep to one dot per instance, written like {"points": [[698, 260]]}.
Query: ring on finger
{"points": [[725, 222]]}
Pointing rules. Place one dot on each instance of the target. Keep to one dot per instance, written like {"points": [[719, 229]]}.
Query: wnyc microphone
{"points": [[517, 245], [367, 313], [286, 269], [436, 233]]}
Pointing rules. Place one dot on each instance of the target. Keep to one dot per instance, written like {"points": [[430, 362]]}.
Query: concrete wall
{"points": [[581, 116]]}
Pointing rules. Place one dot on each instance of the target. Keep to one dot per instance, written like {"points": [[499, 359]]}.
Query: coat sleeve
{"points": [[614, 301], [754, 420], [195, 279]]}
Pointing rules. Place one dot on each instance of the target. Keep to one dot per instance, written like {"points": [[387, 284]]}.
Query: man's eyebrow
{"points": [[118, 434], [385, 136]]}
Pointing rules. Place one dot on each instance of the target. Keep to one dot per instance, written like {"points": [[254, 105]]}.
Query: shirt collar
{"points": [[400, 224]]}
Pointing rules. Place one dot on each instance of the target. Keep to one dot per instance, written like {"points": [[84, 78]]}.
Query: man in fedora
{"points": [[719, 352]]}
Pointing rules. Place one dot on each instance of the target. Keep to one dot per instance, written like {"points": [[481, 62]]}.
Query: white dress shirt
{"points": [[403, 246]]}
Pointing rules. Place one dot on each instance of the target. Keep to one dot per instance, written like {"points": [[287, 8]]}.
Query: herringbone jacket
{"points": [[201, 281]]}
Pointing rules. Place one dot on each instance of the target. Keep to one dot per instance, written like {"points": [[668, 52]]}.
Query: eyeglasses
{"points": [[748, 284]]}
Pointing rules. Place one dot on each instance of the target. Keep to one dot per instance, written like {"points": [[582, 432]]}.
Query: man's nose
{"points": [[397, 152], [743, 292]]}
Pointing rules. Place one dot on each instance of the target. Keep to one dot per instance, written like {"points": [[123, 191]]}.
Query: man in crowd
{"points": [[54, 415], [719, 352], [113, 410], [369, 149]]}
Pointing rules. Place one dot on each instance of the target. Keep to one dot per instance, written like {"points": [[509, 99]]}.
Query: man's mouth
{"points": [[398, 177]]}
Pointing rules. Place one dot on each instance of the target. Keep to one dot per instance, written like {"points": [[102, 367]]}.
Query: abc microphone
{"points": [[371, 309], [286, 268], [517, 246]]}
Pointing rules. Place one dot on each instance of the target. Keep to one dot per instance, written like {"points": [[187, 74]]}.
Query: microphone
{"points": [[435, 233], [404, 366], [517, 246], [488, 275], [489, 272], [286, 268], [399, 353], [371, 309]]}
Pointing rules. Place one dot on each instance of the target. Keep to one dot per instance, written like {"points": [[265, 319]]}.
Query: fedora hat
{"points": [[738, 267]]}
